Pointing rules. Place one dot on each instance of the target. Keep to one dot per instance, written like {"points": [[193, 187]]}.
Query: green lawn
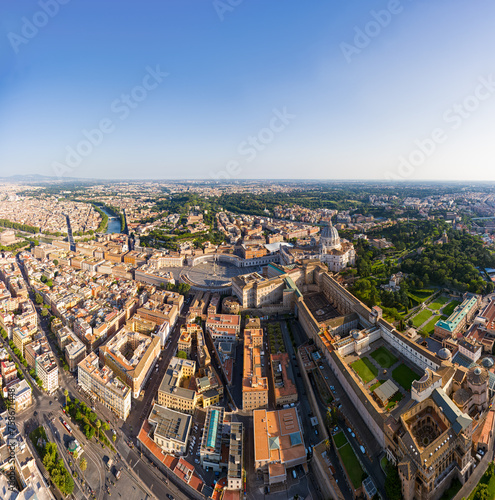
{"points": [[449, 309], [489, 481], [340, 439], [429, 328], [420, 295], [404, 376], [352, 466], [420, 318], [384, 357], [394, 400], [438, 303], [365, 369]]}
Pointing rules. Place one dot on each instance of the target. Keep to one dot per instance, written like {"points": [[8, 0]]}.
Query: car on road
{"points": [[353, 435], [169, 496], [363, 450]]}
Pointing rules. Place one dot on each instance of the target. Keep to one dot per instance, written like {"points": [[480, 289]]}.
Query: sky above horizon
{"points": [[233, 89]]}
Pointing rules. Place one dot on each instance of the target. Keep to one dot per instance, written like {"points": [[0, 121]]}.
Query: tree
{"points": [[55, 261], [490, 469], [482, 493], [393, 483], [66, 394], [75, 455], [105, 426], [83, 465], [45, 312], [182, 355], [98, 425], [114, 437], [38, 298]]}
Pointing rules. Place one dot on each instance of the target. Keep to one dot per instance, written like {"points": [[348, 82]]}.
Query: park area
{"points": [[339, 439], [485, 489], [366, 370], [421, 317], [384, 357], [449, 309], [440, 308], [404, 376], [352, 465], [438, 303]]}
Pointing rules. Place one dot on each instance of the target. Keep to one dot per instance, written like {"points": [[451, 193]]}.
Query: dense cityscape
{"points": [[247, 250], [187, 340]]}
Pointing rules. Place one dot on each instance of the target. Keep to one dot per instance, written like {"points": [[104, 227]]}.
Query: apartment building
{"points": [[284, 388], [170, 429], [173, 391], [102, 383], [228, 321], [21, 337], [278, 443], [75, 352], [185, 342], [236, 460], [131, 356], [254, 381], [22, 394], [47, 371], [210, 452]]}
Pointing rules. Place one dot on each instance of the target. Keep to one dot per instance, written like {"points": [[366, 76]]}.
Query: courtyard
{"points": [[379, 364]]}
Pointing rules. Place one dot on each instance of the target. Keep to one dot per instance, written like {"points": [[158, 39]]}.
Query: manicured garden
{"points": [[365, 369], [384, 357], [429, 328], [486, 487], [394, 400], [421, 317], [339, 439], [420, 295], [352, 465], [404, 376], [449, 309], [438, 303]]}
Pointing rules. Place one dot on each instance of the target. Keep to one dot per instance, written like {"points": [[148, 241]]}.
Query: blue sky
{"points": [[255, 89]]}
